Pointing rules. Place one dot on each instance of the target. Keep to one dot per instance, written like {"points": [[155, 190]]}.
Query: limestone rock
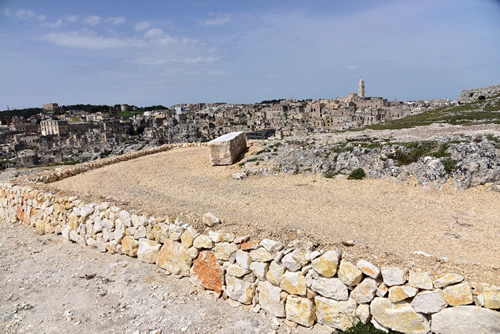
{"points": [[294, 283], [326, 264], [337, 314], [249, 245], [401, 292], [235, 270], [429, 301], [160, 232], [130, 246], [174, 258], [188, 236], [275, 272], [299, 257], [448, 279], [148, 250], [261, 255], [271, 300], [243, 259], [300, 310], [393, 276], [368, 269], [349, 273], [224, 250], [203, 242], [271, 245], [491, 295], [363, 313], [119, 232], [239, 290], [210, 220], [225, 149], [289, 262], [207, 272], [365, 291], [259, 269], [420, 280], [330, 288], [398, 317], [466, 320], [459, 294]]}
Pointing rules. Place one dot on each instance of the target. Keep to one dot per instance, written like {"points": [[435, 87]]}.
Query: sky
{"points": [[166, 52]]}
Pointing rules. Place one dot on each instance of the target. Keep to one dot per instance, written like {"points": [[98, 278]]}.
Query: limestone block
{"points": [[243, 259], [271, 245], [420, 280], [239, 290], [326, 264], [349, 273], [466, 320], [65, 232], [401, 292], [249, 245], [224, 250], [300, 257], [491, 295], [289, 262], [235, 270], [119, 232], [300, 310], [459, 294], [365, 291], [174, 258], [130, 246], [337, 314], [225, 149], [175, 232], [188, 236], [216, 236], [160, 232], [101, 247], [330, 287], [275, 272], [368, 269], [271, 299], [148, 250], [294, 283], [203, 242], [429, 301], [382, 290], [393, 276], [261, 255], [448, 279], [398, 317], [210, 219], [207, 272], [193, 252], [259, 269], [363, 313]]}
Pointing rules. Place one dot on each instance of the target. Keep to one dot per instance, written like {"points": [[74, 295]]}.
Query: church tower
{"points": [[361, 88]]}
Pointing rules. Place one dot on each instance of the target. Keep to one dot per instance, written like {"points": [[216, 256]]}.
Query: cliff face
{"points": [[472, 95]]}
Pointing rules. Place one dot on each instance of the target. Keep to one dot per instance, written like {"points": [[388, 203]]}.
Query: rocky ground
{"points": [[52, 286]]}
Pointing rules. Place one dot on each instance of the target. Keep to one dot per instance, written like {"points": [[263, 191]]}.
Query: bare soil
{"points": [[450, 230]]}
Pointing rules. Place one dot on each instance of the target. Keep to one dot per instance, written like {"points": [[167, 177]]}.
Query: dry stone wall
{"points": [[296, 282]]}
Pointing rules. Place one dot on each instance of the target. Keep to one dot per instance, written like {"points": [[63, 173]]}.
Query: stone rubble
{"points": [[300, 284]]}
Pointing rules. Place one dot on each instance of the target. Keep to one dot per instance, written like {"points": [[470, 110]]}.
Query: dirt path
{"points": [[387, 221]]}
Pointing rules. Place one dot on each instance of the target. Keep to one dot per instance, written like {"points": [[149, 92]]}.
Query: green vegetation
{"points": [[449, 164], [361, 328], [357, 174], [128, 114], [413, 151]]}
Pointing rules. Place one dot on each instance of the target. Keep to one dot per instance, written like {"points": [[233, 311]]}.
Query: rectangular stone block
{"points": [[225, 149]]}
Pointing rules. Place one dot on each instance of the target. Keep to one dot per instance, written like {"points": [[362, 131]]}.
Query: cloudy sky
{"points": [[185, 51]]}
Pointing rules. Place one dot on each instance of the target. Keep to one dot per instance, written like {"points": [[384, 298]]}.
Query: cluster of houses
{"points": [[52, 137]]}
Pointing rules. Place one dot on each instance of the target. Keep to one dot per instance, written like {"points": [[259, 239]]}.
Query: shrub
{"points": [[449, 165], [360, 328], [357, 174]]}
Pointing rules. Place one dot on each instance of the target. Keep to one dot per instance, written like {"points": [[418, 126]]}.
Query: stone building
{"points": [[53, 127]]}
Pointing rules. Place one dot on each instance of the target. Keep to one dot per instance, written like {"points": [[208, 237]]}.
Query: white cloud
{"points": [[6, 12], [89, 40], [71, 18], [116, 20], [219, 19], [154, 33], [92, 20], [24, 14], [56, 24], [141, 26]]}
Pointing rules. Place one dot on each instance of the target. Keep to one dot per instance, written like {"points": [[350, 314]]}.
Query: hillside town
{"points": [[69, 134]]}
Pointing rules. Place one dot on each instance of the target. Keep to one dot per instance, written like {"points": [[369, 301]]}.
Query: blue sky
{"points": [[165, 52]]}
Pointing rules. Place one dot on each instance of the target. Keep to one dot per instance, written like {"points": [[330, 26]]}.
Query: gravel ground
{"points": [[51, 286], [387, 221]]}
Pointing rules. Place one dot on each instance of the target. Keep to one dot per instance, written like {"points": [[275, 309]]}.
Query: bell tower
{"points": [[361, 88]]}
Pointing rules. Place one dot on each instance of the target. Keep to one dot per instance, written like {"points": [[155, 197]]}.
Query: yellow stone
{"points": [[399, 317], [130, 246], [294, 283], [300, 310], [326, 264], [174, 258], [337, 314], [459, 294], [491, 295], [74, 223], [349, 273], [401, 292], [40, 226]]}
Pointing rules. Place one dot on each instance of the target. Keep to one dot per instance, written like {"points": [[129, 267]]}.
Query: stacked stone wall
{"points": [[297, 283]]}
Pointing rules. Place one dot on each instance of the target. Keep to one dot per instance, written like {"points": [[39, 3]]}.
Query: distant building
{"points": [[50, 106], [361, 88], [52, 127]]}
